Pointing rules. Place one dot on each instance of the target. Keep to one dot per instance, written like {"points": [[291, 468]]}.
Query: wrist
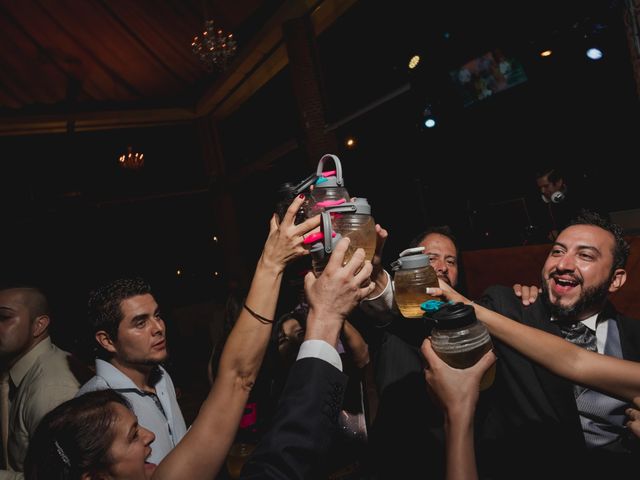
{"points": [[270, 266], [458, 418], [380, 280], [324, 326]]}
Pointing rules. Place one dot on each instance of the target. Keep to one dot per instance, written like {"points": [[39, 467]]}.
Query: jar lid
{"points": [[410, 261], [453, 315]]}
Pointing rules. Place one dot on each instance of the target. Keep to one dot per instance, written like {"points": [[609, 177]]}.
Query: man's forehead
{"points": [[440, 241], [14, 296], [587, 236]]}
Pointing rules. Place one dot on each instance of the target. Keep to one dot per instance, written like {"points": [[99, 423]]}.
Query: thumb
{"points": [[309, 280], [486, 361], [273, 224], [427, 351]]}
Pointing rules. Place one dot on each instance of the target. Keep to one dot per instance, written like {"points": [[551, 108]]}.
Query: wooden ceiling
{"points": [[98, 64]]}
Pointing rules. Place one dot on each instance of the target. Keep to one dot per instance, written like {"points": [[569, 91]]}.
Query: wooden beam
{"points": [[91, 121], [262, 59], [265, 56]]}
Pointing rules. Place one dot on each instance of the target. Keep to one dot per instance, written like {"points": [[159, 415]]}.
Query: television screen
{"points": [[486, 75]]}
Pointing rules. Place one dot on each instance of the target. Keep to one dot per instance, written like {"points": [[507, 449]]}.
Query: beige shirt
{"points": [[41, 381]]}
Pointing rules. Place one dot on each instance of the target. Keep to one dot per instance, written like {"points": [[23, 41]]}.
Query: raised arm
{"points": [[358, 348], [203, 450], [614, 376], [306, 420], [457, 393]]}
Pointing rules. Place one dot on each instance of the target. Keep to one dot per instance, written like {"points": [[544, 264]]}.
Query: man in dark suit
{"points": [[307, 414], [538, 425], [407, 431]]}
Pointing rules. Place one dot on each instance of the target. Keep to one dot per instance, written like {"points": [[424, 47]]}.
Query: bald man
{"points": [[38, 373]]}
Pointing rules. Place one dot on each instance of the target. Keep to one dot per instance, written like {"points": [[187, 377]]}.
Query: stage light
{"points": [[428, 118], [594, 53]]}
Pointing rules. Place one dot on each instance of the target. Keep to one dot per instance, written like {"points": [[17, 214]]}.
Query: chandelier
{"points": [[214, 48], [131, 160]]}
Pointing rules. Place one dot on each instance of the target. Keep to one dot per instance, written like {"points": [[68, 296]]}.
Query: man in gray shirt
{"points": [[130, 332]]}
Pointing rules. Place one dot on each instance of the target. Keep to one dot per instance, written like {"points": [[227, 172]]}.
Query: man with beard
{"points": [[407, 431], [535, 424], [130, 333]]}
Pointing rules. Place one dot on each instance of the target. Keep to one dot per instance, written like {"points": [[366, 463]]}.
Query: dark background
{"points": [[72, 218]]}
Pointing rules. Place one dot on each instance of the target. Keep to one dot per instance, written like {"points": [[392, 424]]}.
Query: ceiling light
{"points": [[214, 48], [131, 160]]}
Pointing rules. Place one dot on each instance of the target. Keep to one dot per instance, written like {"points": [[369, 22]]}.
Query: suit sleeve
{"points": [[492, 297], [305, 422]]}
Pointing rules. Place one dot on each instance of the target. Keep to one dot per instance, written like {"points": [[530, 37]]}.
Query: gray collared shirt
{"points": [[166, 423]]}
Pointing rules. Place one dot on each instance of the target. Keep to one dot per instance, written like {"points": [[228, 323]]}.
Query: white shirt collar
{"points": [[591, 322]]}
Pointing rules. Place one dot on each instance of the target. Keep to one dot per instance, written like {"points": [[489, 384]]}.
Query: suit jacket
{"points": [[305, 422], [407, 433], [529, 421]]}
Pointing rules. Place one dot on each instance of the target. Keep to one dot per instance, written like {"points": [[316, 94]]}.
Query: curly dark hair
{"points": [[74, 438], [621, 248], [104, 311]]}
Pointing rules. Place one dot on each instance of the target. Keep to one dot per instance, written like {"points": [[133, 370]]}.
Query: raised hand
{"points": [[285, 240], [634, 418], [445, 290], [336, 292], [457, 390]]}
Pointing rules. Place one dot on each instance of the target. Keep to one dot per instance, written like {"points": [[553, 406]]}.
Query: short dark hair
{"points": [[443, 230], [621, 248], [74, 438], [104, 310], [553, 174]]}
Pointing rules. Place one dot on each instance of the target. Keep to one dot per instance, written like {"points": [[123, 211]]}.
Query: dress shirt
{"points": [[322, 350], [166, 423], [41, 380], [381, 307]]}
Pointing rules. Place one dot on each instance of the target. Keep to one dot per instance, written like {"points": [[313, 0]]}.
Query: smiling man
{"points": [[545, 425], [132, 345]]}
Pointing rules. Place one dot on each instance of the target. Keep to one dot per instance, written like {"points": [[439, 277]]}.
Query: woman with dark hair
{"points": [[74, 424], [77, 442]]}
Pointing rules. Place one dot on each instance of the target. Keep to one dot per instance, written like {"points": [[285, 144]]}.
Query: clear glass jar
{"points": [[409, 289], [461, 340], [412, 275], [328, 189], [325, 244], [354, 221]]}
